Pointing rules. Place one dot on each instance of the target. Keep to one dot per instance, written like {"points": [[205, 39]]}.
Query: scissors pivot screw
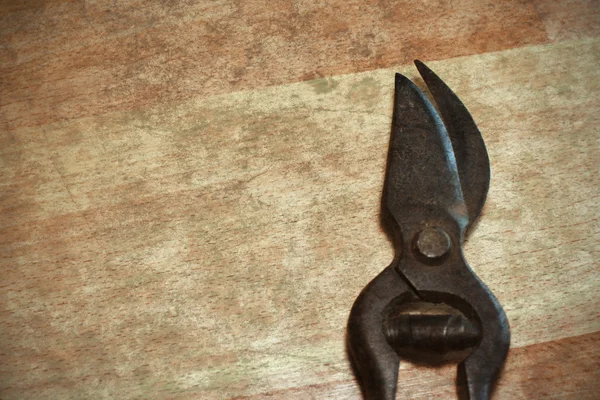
{"points": [[433, 243]]}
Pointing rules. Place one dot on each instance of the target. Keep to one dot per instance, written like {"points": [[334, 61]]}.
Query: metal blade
{"points": [[422, 176], [469, 148]]}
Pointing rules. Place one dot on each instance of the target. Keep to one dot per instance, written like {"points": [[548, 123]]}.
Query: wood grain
{"points": [[214, 247], [570, 19], [169, 229], [566, 369], [68, 59]]}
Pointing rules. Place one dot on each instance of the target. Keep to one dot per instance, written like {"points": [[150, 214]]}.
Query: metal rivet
{"points": [[433, 243]]}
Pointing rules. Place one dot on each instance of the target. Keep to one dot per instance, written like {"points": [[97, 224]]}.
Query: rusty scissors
{"points": [[436, 183]]}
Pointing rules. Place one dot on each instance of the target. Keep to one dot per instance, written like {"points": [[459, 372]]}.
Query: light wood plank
{"points": [[214, 247], [563, 369]]}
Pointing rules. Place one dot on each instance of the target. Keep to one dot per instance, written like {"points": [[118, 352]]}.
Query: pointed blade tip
{"points": [[401, 84], [400, 78], [425, 72]]}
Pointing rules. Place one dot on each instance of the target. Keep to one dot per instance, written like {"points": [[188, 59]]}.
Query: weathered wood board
{"points": [[175, 231]]}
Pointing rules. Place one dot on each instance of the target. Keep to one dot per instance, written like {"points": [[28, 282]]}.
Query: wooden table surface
{"points": [[190, 190]]}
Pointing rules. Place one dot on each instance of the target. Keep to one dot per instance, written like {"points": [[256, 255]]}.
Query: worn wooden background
{"points": [[189, 190]]}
